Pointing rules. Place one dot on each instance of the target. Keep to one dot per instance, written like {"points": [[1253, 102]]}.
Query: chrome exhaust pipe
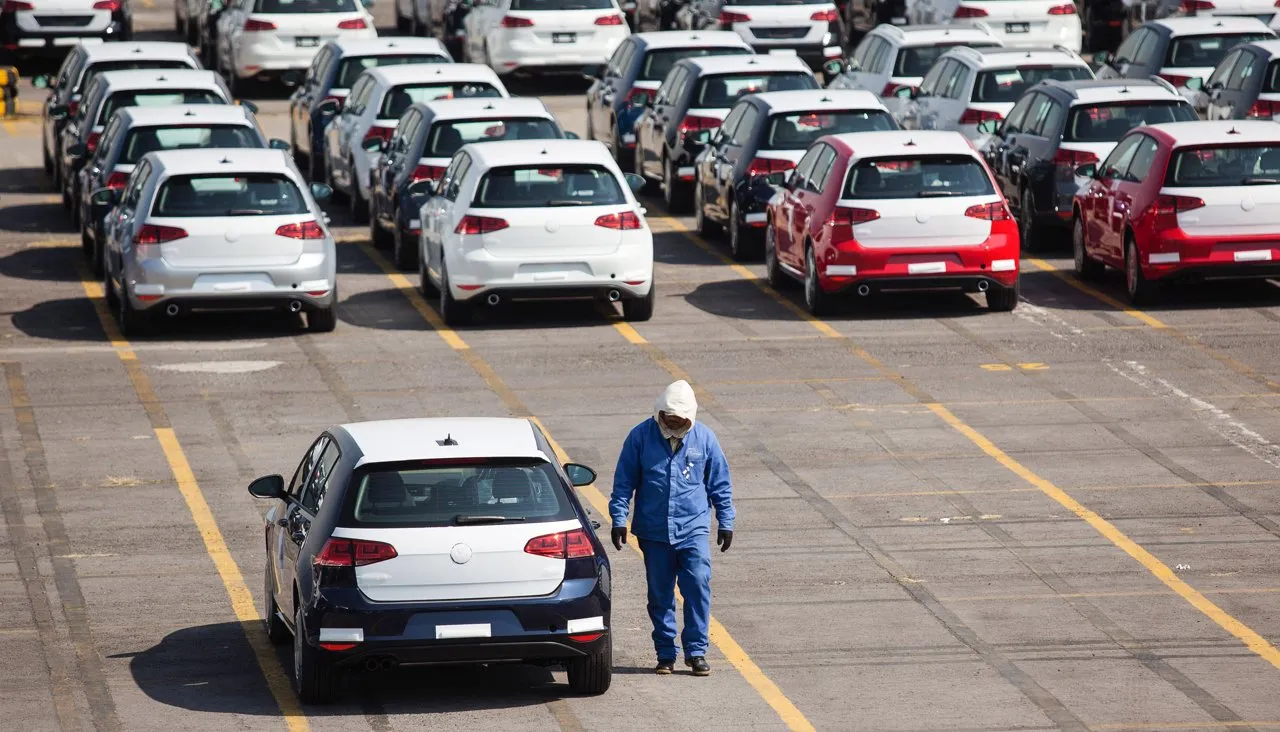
{"points": [[372, 664], [172, 309], [295, 306], [864, 290], [493, 299], [387, 664], [983, 285], [614, 296]]}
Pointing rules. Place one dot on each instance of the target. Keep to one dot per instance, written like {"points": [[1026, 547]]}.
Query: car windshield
{"points": [[541, 186], [103, 67], [446, 137], [917, 60], [1207, 50], [489, 492], [166, 98], [245, 194], [353, 66], [926, 176], [286, 7], [399, 99], [798, 130], [723, 90], [1110, 122], [142, 140], [1225, 165], [561, 4], [1004, 86], [659, 61]]}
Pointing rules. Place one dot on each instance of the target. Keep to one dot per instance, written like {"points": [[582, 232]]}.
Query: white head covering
{"points": [[677, 399]]}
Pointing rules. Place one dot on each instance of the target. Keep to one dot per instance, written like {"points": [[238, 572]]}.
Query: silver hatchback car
{"points": [[218, 229]]}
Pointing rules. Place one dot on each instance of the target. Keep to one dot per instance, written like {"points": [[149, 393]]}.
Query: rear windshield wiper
{"points": [[463, 519], [569, 202], [1259, 181], [937, 194], [245, 212]]}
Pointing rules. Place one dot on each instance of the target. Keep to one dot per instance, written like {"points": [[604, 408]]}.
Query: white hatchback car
{"points": [[373, 108], [544, 36], [1016, 22], [49, 26], [809, 28], [532, 220]]}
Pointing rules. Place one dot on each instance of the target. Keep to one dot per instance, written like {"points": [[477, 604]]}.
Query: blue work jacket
{"points": [[673, 492]]}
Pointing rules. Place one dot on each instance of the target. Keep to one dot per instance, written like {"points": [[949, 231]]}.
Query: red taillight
{"points": [[977, 116], [301, 230], [728, 18], [988, 212], [768, 166], [1263, 109], [13, 6], [891, 88], [480, 225], [338, 646], [112, 5], [585, 637], [1167, 208], [91, 142], [967, 12], [1175, 79], [1066, 162], [338, 552], [427, 172], [1067, 9], [848, 216], [339, 100], [623, 221], [564, 545], [609, 20], [73, 106], [511, 21], [1195, 6], [253, 24], [830, 16], [694, 123], [353, 24], [153, 234], [117, 180], [380, 133]]}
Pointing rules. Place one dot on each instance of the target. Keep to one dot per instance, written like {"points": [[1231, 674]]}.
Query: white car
{"points": [[969, 86], [1016, 22], [547, 36], [373, 108], [38, 27], [1263, 10], [264, 40], [808, 28], [890, 58], [535, 219]]}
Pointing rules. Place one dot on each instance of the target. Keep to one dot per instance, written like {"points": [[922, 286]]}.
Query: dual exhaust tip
{"points": [[864, 290], [173, 309], [493, 299], [386, 663]]}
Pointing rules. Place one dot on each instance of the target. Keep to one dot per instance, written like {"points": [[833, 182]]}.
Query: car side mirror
{"points": [[321, 192], [41, 82], [105, 197], [1088, 170], [1195, 84], [215, 6], [834, 67], [268, 486], [579, 475], [373, 144], [571, 135], [78, 150], [291, 78], [988, 126], [634, 181], [1104, 58], [278, 144], [644, 100], [422, 188], [328, 107], [59, 111], [905, 92], [701, 137], [592, 72]]}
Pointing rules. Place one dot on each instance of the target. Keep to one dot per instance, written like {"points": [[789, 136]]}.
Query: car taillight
{"points": [[480, 225], [1067, 9], [1263, 109], [1066, 162], [988, 212], [253, 24], [380, 133], [511, 21], [633, 96], [768, 166], [153, 234], [623, 221], [1167, 208], [117, 180], [891, 88], [609, 20], [1175, 79], [977, 116], [849, 216], [91, 142], [1195, 6], [564, 545], [353, 24], [73, 106], [829, 16], [353, 553], [427, 172], [728, 18], [695, 123], [112, 5], [301, 230], [13, 6], [964, 11]]}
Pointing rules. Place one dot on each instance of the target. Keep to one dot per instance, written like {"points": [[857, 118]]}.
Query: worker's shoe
{"points": [[699, 665], [665, 668]]}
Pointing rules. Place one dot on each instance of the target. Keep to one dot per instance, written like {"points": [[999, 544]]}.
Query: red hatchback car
{"points": [[901, 210], [1185, 201]]}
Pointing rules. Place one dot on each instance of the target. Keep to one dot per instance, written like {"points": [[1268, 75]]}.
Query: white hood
{"points": [[677, 399]]}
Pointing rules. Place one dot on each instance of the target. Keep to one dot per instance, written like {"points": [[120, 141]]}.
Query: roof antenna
{"points": [[911, 143], [189, 113], [448, 441], [1233, 131], [225, 160]]}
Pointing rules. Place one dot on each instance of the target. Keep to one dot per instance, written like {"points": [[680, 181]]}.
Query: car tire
{"points": [[315, 680], [1028, 231], [405, 256], [592, 674], [86, 245], [626, 164], [337, 196], [1087, 268], [358, 206], [380, 237], [277, 631], [48, 161], [324, 320], [130, 322], [1004, 299], [675, 194], [637, 166], [57, 176], [109, 291], [640, 309], [453, 312], [315, 171], [705, 227], [816, 301], [777, 279], [97, 260], [75, 203], [424, 280], [1141, 291], [744, 245]]}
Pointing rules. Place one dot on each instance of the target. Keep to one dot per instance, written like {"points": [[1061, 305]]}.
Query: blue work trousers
{"points": [[689, 564]]}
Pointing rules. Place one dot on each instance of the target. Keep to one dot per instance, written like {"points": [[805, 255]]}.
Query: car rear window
{"points": [[659, 61], [1109, 122], [142, 140], [918, 176], [353, 66], [245, 194], [798, 130], [165, 98], [1004, 86], [493, 492], [399, 99], [103, 67], [917, 60], [446, 137], [723, 90], [538, 186], [561, 4], [1224, 165], [1271, 84], [1207, 50], [285, 7]]}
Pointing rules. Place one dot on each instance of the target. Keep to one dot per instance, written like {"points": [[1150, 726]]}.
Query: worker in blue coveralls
{"points": [[674, 470]]}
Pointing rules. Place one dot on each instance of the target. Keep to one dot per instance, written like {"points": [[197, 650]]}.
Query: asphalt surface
{"points": [[1059, 518]]}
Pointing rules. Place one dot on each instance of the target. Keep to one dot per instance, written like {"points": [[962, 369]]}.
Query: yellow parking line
{"points": [[1096, 294], [720, 636]]}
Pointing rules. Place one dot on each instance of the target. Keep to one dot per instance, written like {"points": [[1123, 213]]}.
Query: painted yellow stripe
{"points": [[1096, 294]]}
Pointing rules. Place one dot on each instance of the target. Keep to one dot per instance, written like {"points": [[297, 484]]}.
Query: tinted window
{"points": [[142, 140], [1225, 165], [446, 137], [562, 4], [1110, 122], [318, 482], [352, 67], [799, 130], [166, 98], [720, 92], [1004, 86], [1272, 81], [918, 177], [399, 99], [305, 6], [1206, 50], [103, 67], [1142, 161], [917, 61], [659, 61], [536, 187], [254, 194]]}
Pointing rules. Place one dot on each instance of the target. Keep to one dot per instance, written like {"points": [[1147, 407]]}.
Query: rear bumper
{"points": [[479, 274], [54, 42], [553, 58], [154, 284], [252, 59], [1241, 262], [996, 262]]}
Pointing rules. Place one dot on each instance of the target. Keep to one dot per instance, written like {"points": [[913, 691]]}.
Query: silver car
{"points": [[217, 229]]}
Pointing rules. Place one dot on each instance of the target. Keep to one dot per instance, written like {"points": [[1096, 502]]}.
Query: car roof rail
{"points": [[1164, 83]]}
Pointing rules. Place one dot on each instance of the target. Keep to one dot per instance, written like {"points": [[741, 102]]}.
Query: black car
{"points": [[426, 137], [763, 137], [1058, 126], [1103, 23], [692, 102], [1180, 49], [1246, 85], [427, 541]]}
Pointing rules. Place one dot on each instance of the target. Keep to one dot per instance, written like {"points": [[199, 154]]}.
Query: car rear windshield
{"points": [[402, 495], [919, 176], [286, 7], [166, 98], [399, 99], [446, 137], [1206, 50], [1225, 165], [659, 61], [561, 4], [539, 186], [917, 60], [798, 130], [103, 67], [1110, 122], [245, 194], [1004, 86], [723, 90], [142, 140], [352, 67]]}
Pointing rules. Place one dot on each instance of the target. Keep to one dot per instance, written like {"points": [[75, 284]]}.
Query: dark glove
{"points": [[724, 539], [619, 535]]}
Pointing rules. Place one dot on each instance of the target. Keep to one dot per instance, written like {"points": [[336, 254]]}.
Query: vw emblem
{"points": [[232, 236], [1248, 204], [553, 226], [460, 554]]}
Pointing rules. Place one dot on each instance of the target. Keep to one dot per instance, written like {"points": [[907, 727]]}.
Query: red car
{"points": [[902, 210], [1185, 201]]}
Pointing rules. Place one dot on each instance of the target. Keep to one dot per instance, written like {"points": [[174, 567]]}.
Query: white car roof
{"points": [[150, 50], [695, 39], [747, 64], [488, 107], [393, 440], [1226, 132], [1208, 24], [907, 142], [1006, 57], [808, 99], [189, 114], [488, 155], [1117, 90], [390, 46], [1271, 47], [414, 73], [214, 160], [161, 79], [925, 35]]}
